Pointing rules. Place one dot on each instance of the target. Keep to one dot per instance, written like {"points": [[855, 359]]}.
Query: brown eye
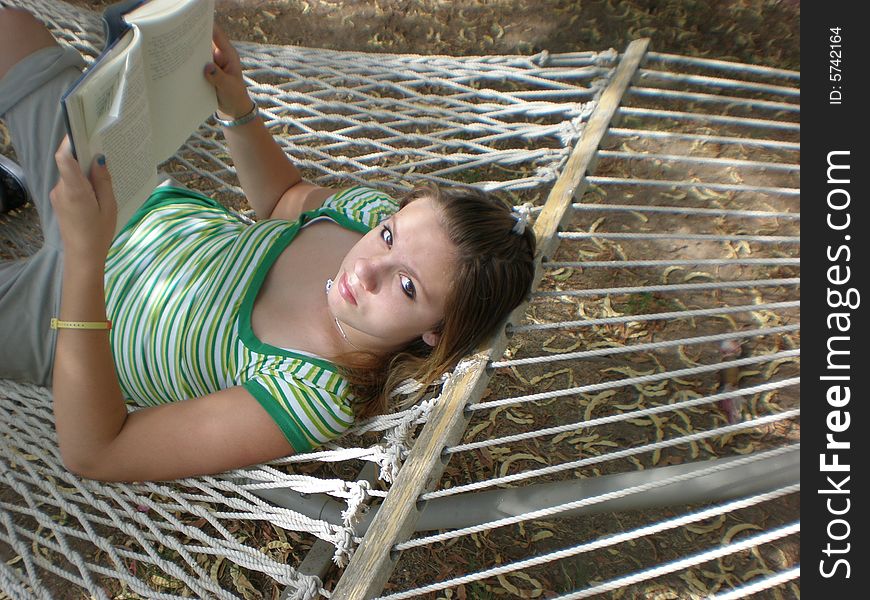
{"points": [[387, 236], [408, 287]]}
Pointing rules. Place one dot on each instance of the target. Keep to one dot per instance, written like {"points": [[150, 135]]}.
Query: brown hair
{"points": [[493, 274]]}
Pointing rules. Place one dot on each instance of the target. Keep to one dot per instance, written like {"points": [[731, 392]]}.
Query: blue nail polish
{"points": [[101, 160]]}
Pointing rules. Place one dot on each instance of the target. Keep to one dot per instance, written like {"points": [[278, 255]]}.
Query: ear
{"points": [[431, 338]]}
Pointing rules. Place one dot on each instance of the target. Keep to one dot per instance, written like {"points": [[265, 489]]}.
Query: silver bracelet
{"points": [[246, 118]]}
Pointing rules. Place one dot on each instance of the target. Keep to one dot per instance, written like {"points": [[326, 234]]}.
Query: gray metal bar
{"points": [[469, 509], [481, 507]]}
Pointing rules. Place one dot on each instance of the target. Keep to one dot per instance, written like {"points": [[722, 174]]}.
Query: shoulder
{"points": [[310, 403], [362, 204]]}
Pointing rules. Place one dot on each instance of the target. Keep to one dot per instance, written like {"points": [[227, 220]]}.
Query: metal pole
{"points": [[475, 508]]}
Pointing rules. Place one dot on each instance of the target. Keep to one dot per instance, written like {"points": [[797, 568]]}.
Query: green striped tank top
{"points": [[181, 280]]}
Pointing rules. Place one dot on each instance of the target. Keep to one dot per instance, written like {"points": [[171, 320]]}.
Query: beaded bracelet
{"points": [[58, 324], [246, 118]]}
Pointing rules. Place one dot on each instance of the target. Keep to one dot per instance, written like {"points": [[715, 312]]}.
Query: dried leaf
{"points": [[214, 572], [164, 582], [553, 350], [717, 523], [699, 275], [774, 366], [562, 274], [633, 406], [642, 217], [627, 371], [667, 272], [752, 573], [243, 585], [729, 535], [563, 436], [472, 432], [505, 466], [595, 400], [542, 535], [693, 581], [681, 352], [519, 420], [516, 591], [608, 443], [749, 448], [637, 463]]}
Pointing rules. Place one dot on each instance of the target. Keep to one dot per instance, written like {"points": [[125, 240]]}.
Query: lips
{"points": [[345, 291]]}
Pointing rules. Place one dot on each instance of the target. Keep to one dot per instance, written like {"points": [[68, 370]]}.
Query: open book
{"points": [[144, 95]]}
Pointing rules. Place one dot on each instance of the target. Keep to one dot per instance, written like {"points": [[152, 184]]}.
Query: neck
{"points": [[344, 335]]}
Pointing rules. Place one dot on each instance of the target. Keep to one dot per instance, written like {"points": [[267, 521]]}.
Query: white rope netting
{"points": [[507, 123], [658, 357]]}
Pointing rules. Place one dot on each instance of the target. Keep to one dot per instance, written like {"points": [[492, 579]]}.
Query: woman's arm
{"points": [[273, 185], [200, 436], [89, 409], [97, 437]]}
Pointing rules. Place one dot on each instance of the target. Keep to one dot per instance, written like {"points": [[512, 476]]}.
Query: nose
{"points": [[368, 271]]}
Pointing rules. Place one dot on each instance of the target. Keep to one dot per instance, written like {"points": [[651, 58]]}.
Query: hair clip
{"points": [[521, 216]]}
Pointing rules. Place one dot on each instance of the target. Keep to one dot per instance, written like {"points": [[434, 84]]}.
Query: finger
{"points": [[219, 37], [213, 73], [218, 55], [224, 53], [67, 165], [101, 180]]}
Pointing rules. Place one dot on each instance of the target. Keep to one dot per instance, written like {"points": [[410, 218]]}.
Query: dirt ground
{"points": [[751, 31]]}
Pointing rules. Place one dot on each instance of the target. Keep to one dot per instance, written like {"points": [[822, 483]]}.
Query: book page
{"points": [[177, 46], [124, 136], [88, 100], [108, 114]]}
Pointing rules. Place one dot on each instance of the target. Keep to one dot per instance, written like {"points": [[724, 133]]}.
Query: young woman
{"points": [[242, 343]]}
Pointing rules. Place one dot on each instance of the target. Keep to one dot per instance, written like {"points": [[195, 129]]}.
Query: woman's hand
{"points": [[225, 74], [85, 208]]}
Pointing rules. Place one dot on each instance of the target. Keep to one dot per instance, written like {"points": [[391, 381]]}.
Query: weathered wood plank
{"points": [[374, 560], [571, 183]]}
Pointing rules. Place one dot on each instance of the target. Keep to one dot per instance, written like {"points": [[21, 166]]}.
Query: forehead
{"points": [[422, 220], [422, 240], [422, 211]]}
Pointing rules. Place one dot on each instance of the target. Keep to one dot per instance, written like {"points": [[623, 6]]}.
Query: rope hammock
{"points": [[656, 364]]}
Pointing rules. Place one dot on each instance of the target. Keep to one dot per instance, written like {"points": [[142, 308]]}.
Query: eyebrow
{"points": [[409, 268]]}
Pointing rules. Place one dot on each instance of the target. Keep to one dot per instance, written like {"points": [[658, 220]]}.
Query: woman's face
{"points": [[392, 286]]}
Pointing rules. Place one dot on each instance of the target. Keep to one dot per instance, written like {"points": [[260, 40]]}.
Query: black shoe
{"points": [[13, 187]]}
